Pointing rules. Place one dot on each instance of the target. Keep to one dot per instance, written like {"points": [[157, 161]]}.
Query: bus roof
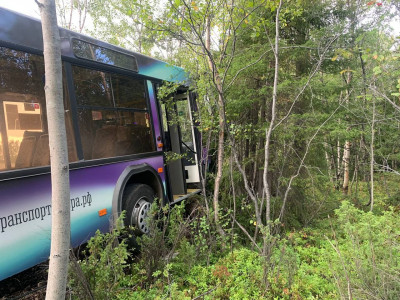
{"points": [[22, 30]]}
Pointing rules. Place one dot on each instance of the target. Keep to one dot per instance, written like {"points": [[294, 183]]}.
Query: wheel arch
{"points": [[142, 173]]}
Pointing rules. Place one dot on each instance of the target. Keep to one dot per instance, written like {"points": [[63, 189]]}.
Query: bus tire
{"points": [[137, 201]]}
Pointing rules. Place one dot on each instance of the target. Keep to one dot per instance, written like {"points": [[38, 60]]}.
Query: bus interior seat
{"points": [[104, 142], [122, 133], [144, 138], [87, 132], [41, 155], [124, 141], [72, 155], [139, 139], [25, 152]]}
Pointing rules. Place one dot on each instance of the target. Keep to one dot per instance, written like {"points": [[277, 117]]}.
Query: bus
{"points": [[118, 133]]}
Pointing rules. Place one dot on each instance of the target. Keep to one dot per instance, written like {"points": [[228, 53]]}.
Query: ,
{"points": [[118, 132]]}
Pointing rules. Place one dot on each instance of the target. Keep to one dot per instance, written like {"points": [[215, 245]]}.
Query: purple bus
{"points": [[118, 133]]}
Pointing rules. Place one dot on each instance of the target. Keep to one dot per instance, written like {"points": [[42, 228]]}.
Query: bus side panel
{"points": [[25, 212]]}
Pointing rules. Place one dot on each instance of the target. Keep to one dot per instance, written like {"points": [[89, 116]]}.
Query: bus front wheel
{"points": [[137, 202]]}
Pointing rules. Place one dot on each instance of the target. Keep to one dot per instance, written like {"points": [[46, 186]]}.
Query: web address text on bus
{"points": [[40, 213]]}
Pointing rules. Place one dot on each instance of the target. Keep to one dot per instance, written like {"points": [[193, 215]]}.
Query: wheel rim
{"points": [[139, 215]]}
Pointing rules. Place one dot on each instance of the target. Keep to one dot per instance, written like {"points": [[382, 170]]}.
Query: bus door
{"points": [[180, 146]]}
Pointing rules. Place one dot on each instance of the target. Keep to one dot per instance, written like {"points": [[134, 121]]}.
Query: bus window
{"points": [[103, 55], [92, 88], [128, 92], [22, 101], [109, 133], [23, 112], [113, 116], [99, 89]]}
